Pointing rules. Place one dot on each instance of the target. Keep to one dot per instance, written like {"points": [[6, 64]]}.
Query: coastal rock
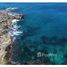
{"points": [[5, 38]]}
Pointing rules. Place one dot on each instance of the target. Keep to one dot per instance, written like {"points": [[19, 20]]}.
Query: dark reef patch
{"points": [[53, 40]]}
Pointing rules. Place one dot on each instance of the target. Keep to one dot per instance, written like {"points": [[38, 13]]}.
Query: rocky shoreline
{"points": [[5, 38]]}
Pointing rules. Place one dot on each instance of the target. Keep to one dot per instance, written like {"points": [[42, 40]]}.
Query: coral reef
{"points": [[47, 50], [53, 40]]}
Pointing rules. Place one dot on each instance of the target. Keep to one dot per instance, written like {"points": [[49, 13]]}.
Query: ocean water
{"points": [[44, 37]]}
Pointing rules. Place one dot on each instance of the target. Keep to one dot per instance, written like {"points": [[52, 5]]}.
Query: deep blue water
{"points": [[40, 19]]}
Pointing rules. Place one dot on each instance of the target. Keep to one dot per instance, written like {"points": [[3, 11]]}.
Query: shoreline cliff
{"points": [[5, 38]]}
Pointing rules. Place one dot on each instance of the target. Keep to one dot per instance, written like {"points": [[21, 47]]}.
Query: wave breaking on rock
{"points": [[8, 29]]}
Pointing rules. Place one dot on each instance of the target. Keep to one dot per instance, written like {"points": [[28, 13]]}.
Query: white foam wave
{"points": [[14, 29], [14, 21], [11, 8], [10, 11], [12, 14]]}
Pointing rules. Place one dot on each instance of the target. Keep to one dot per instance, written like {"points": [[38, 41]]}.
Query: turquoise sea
{"points": [[44, 37]]}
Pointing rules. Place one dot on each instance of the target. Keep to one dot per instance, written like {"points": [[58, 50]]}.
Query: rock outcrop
{"points": [[5, 39]]}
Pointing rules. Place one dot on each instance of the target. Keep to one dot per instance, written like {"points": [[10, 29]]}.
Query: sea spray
{"points": [[15, 29]]}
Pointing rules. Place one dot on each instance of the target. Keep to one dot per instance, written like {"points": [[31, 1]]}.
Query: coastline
{"points": [[5, 37]]}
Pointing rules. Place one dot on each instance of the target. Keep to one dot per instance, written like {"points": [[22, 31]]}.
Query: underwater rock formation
{"points": [[6, 19], [53, 40]]}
